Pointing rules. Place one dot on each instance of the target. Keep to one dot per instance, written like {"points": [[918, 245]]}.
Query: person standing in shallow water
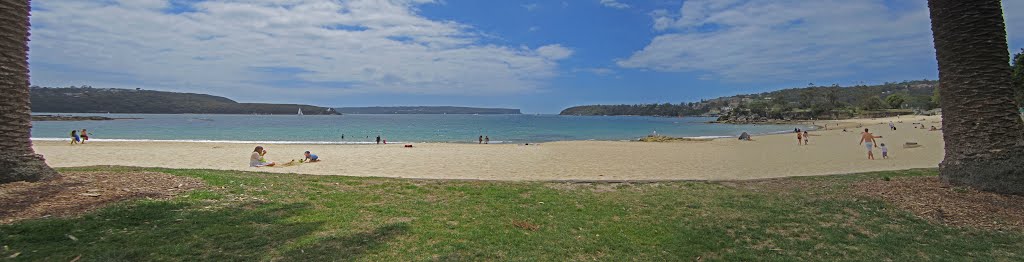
{"points": [[487, 140], [481, 140], [378, 140]]}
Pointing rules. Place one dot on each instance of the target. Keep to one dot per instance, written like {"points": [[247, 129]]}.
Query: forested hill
{"points": [[427, 110], [918, 94], [102, 100]]}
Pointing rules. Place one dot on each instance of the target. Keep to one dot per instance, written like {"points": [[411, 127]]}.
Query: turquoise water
{"points": [[394, 128]]}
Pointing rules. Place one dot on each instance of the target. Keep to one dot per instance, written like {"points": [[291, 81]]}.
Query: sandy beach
{"points": [[829, 152]]}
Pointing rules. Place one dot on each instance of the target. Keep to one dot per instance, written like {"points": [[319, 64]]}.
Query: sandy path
{"points": [[829, 152]]}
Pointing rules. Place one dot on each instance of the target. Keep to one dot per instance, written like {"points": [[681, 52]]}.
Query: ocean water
{"points": [[359, 129]]}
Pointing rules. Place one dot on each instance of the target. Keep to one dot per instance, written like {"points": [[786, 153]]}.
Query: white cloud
{"points": [[531, 7], [254, 48], [789, 40], [554, 52], [614, 4], [785, 40]]}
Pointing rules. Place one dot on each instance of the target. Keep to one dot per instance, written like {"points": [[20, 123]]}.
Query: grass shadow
{"points": [[348, 247], [161, 230]]}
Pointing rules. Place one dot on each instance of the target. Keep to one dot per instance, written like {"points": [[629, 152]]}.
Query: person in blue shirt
{"points": [[311, 158]]}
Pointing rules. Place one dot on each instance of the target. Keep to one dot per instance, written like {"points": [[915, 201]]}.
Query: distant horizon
{"points": [[537, 56], [523, 111]]}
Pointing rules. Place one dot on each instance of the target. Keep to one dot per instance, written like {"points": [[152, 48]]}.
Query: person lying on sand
{"points": [[310, 158], [257, 160]]}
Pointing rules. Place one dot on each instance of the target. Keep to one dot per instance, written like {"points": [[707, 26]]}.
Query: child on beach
{"points": [[885, 151], [310, 158], [85, 135], [805, 137], [74, 137]]}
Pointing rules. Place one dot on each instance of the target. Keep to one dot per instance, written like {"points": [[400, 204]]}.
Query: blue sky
{"points": [[540, 56]]}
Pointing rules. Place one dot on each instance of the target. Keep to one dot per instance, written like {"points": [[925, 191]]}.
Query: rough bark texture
{"points": [[983, 132], [18, 162]]}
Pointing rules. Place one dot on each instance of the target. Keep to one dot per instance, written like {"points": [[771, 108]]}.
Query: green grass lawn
{"points": [[256, 216]]}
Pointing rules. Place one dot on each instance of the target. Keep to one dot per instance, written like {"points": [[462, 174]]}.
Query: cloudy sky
{"points": [[540, 56]]}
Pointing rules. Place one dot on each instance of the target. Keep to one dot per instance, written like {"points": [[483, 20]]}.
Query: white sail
{"points": [[300, 111]]}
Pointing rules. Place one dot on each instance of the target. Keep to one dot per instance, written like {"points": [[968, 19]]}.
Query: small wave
{"points": [[218, 141], [707, 137]]}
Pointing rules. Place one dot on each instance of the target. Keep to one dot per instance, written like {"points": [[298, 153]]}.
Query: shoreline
{"points": [[299, 142], [768, 156]]}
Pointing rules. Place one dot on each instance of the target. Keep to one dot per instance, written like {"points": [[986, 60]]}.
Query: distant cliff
{"points": [[103, 100], [427, 110]]}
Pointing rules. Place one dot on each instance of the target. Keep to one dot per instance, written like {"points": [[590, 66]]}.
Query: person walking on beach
{"points": [[868, 140], [799, 137], [481, 140], [84, 135], [74, 137], [378, 140], [487, 140], [892, 126], [805, 137], [885, 151]]}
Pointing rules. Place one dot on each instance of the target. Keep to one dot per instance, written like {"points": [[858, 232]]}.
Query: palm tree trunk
{"points": [[984, 135], [18, 162]]}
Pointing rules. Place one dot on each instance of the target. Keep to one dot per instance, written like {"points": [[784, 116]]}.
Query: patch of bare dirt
{"points": [[76, 193], [931, 199]]}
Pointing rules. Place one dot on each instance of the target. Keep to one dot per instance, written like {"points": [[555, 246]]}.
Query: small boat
{"points": [[300, 111]]}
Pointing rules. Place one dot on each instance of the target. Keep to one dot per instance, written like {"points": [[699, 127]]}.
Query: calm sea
{"points": [[359, 129]]}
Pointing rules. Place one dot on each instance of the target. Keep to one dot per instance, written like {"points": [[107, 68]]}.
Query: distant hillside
{"points": [[810, 102], [102, 100], [427, 110]]}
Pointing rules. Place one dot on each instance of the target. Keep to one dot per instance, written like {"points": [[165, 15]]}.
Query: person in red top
{"points": [[85, 135]]}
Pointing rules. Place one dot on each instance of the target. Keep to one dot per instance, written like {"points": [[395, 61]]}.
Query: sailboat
{"points": [[300, 111]]}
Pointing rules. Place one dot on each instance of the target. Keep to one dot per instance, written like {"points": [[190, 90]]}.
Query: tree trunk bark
{"points": [[983, 132], [18, 162]]}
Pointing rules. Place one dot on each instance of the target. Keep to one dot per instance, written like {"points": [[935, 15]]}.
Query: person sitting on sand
{"points": [[257, 160], [868, 140], [933, 128], [310, 158], [74, 137]]}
